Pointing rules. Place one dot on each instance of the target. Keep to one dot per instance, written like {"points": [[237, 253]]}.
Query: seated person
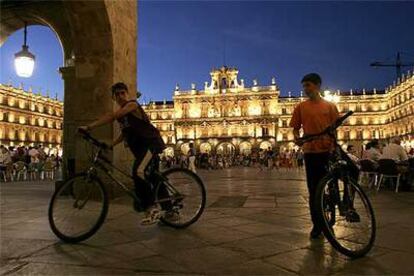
{"points": [[351, 154], [394, 151], [373, 153]]}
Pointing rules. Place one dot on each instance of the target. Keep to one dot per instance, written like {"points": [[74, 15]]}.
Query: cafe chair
{"points": [[388, 169]]}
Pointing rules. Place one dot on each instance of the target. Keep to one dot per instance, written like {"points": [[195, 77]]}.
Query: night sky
{"points": [[180, 42]]}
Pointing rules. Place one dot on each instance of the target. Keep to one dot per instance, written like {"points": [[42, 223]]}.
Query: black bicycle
{"points": [[79, 206], [343, 210]]}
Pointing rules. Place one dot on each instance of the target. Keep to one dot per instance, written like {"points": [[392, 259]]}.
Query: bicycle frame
{"points": [[338, 168], [99, 162], [102, 163]]}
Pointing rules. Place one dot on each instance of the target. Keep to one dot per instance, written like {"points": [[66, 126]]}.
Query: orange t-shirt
{"points": [[314, 117]]}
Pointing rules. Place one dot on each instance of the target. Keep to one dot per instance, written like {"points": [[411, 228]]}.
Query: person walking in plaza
{"points": [[313, 116], [5, 162], [144, 141], [262, 159], [191, 158], [269, 155]]}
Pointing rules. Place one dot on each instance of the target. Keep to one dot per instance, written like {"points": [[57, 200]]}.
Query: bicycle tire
{"points": [[326, 229], [197, 181], [97, 225]]}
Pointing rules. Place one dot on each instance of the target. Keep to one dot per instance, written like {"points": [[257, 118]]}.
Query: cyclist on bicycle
{"points": [[313, 116], [142, 138]]}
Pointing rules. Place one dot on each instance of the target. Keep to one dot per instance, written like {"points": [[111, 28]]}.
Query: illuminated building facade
{"points": [[225, 117], [229, 118], [29, 119]]}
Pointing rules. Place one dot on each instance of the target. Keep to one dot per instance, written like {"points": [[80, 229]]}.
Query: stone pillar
{"points": [[69, 127]]}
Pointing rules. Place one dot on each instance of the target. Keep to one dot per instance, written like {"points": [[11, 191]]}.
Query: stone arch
{"points": [[265, 145], [169, 151], [245, 147], [185, 147], [226, 148], [97, 51], [205, 147]]}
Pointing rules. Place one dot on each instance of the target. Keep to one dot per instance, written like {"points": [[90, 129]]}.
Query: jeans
{"points": [[316, 168]]}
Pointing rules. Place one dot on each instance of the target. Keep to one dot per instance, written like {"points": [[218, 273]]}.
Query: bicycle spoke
{"points": [[77, 208], [353, 225]]}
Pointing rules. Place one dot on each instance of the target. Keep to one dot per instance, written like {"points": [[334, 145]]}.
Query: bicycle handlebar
{"points": [[87, 136], [328, 130]]}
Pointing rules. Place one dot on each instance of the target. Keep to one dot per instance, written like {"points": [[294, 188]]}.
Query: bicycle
{"points": [[79, 206], [342, 209]]}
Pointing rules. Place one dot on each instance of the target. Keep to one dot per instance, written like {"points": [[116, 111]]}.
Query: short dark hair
{"points": [[374, 143], [349, 147], [313, 78], [118, 86]]}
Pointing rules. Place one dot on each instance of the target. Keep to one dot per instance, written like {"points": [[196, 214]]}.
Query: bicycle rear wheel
{"points": [[183, 194], [78, 208], [346, 216]]}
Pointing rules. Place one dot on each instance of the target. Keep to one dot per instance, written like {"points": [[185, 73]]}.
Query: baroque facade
{"points": [[29, 119], [228, 117]]}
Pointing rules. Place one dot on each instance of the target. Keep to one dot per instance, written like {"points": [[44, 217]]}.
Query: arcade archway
{"points": [[99, 45], [265, 145], [245, 147], [205, 148], [226, 149]]}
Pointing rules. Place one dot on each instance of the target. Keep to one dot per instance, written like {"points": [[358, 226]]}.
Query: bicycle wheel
{"points": [[182, 195], [349, 222], [78, 208]]}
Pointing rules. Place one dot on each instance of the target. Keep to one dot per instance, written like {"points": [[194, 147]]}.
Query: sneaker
{"points": [[315, 233], [152, 216], [172, 216], [352, 216]]}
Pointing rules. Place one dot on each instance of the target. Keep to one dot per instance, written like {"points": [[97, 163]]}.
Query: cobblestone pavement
{"points": [[255, 223]]}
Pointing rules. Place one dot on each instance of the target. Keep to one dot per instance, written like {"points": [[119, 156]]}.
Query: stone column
{"points": [[69, 127]]}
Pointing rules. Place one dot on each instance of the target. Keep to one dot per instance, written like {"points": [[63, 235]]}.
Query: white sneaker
{"points": [[152, 216]]}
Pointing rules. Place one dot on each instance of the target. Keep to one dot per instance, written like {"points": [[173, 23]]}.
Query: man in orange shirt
{"points": [[313, 116]]}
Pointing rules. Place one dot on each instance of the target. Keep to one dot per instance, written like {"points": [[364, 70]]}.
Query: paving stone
{"points": [[208, 259], [305, 261], [229, 202]]}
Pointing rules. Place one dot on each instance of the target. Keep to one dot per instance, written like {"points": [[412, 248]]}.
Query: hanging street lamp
{"points": [[24, 61]]}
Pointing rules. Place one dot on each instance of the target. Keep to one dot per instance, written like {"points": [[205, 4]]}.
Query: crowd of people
{"points": [[261, 159], [375, 152], [22, 163]]}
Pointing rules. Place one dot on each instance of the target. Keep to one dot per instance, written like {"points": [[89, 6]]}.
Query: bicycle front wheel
{"points": [[78, 208], [183, 197], [346, 216]]}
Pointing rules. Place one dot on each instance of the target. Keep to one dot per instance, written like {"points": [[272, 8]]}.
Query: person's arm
{"points": [[117, 140], [403, 154], [335, 113], [296, 122], [110, 117]]}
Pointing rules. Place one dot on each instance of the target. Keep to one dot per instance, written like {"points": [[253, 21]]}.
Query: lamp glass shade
{"points": [[24, 62]]}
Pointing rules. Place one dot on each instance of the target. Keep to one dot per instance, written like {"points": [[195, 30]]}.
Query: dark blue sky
{"points": [[179, 42]]}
